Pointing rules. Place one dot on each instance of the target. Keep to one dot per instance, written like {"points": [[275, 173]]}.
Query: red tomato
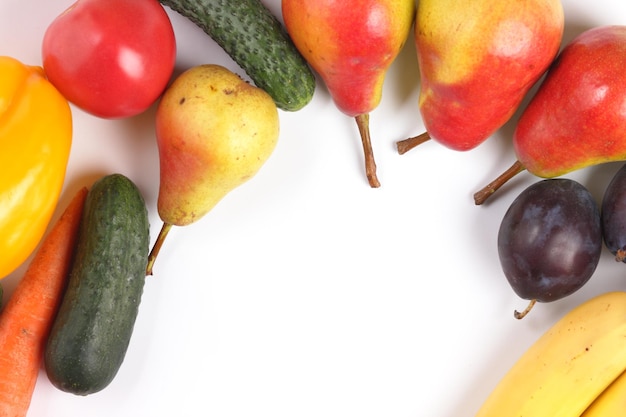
{"points": [[112, 58]]}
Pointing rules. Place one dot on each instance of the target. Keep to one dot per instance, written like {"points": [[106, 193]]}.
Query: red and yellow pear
{"points": [[478, 59], [214, 132], [577, 118], [351, 44]]}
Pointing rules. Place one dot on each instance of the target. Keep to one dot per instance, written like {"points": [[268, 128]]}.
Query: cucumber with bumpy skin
{"points": [[92, 330], [256, 40]]}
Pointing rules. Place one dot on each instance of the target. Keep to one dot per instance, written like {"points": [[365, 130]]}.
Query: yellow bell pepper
{"points": [[35, 142]]}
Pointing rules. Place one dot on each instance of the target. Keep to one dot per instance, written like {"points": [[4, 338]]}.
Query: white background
{"points": [[305, 292]]}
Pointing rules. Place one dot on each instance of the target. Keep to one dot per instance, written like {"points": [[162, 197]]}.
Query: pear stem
{"points": [[363, 122], [406, 145], [157, 247], [481, 196], [521, 314]]}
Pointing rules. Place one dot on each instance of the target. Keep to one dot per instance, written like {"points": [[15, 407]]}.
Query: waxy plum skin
{"points": [[613, 215], [550, 240]]}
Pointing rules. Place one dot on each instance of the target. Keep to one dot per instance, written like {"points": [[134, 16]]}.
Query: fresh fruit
{"points": [[92, 330], [214, 132], [569, 366], [35, 145], [550, 240], [351, 44], [611, 402], [112, 58], [477, 61], [576, 119], [613, 212], [256, 40]]}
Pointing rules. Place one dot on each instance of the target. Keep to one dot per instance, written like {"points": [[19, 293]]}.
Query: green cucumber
{"points": [[256, 40], [92, 330]]}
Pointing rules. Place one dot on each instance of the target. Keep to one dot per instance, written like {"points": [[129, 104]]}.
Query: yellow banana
{"points": [[611, 402], [569, 366]]}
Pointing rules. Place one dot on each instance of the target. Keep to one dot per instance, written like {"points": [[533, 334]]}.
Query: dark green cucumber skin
{"points": [[256, 40], [92, 330]]}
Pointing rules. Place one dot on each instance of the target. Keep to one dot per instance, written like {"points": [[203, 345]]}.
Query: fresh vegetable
{"points": [[35, 142], [112, 58], [258, 43], [26, 319], [91, 333]]}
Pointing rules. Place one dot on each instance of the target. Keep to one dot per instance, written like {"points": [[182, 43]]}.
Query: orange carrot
{"points": [[27, 317]]}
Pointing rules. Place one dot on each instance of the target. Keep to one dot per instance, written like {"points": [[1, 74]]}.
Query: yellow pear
{"points": [[214, 132]]}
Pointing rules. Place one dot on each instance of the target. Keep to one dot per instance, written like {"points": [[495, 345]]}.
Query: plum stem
{"points": [[482, 195], [406, 145], [363, 123], [157, 246], [521, 314]]}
